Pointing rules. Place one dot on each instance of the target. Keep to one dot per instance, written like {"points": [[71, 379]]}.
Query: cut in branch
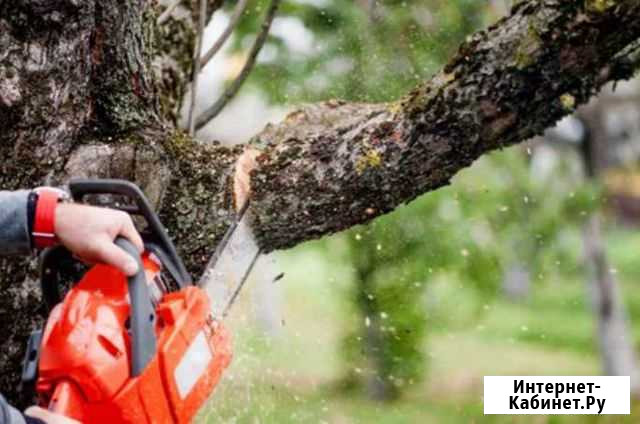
{"points": [[238, 11], [196, 65], [232, 90]]}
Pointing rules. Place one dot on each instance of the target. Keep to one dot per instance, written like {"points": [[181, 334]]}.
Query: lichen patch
{"points": [[599, 6], [371, 159], [568, 101]]}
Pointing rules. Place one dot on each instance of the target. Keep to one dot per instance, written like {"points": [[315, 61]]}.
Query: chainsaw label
{"points": [[192, 365]]}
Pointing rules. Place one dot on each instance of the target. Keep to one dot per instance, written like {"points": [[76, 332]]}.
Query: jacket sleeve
{"points": [[10, 415], [14, 230]]}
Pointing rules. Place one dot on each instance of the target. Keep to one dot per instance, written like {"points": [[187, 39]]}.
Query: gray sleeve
{"points": [[14, 230], [8, 414]]}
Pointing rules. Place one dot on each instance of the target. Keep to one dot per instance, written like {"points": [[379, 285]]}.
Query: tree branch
{"points": [[196, 65], [167, 12], [333, 165], [232, 90], [241, 6], [628, 60]]}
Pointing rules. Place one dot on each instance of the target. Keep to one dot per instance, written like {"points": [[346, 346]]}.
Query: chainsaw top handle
{"points": [[80, 187], [142, 315]]}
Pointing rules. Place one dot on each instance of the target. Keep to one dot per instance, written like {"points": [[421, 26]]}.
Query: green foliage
{"points": [[467, 234], [359, 52], [289, 378]]}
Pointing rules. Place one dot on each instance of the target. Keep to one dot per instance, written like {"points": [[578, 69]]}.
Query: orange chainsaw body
{"points": [[84, 365]]}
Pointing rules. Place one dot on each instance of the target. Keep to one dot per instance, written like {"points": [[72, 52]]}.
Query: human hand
{"points": [[88, 232], [48, 416]]}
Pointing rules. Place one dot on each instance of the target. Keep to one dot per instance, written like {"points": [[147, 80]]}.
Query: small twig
{"points": [[232, 90], [627, 61], [634, 54], [373, 12], [233, 22], [167, 12], [196, 65]]}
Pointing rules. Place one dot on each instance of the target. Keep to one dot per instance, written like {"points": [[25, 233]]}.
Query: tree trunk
{"points": [[377, 384], [92, 87], [614, 338], [516, 282]]}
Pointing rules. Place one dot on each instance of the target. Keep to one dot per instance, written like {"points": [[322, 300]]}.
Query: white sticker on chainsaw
{"points": [[192, 365]]}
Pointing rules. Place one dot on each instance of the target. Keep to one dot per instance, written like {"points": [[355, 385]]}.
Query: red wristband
{"points": [[44, 221]]}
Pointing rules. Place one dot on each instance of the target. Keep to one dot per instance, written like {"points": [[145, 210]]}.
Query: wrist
{"points": [[45, 202], [64, 213]]}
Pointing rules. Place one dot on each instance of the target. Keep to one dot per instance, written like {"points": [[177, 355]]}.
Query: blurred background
{"points": [[527, 264]]}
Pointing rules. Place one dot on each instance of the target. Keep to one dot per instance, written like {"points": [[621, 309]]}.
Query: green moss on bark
{"points": [[198, 205]]}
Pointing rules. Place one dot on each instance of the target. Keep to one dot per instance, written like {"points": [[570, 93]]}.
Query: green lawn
{"points": [[291, 376]]}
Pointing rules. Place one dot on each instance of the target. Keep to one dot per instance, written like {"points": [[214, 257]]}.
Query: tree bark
{"points": [[332, 165], [92, 88]]}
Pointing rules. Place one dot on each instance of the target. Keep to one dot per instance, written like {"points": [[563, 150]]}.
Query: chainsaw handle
{"points": [[67, 400], [80, 187], [142, 316]]}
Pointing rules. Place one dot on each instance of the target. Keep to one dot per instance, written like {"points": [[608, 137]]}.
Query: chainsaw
{"points": [[150, 348]]}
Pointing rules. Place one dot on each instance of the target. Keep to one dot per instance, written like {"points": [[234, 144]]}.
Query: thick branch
{"points": [[333, 165]]}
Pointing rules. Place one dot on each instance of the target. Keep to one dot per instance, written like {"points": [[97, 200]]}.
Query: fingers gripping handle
{"points": [[143, 344], [80, 187]]}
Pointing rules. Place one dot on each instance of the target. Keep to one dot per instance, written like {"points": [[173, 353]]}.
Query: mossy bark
{"points": [[92, 88], [330, 166]]}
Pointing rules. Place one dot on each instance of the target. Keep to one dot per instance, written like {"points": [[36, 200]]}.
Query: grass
{"points": [[289, 374]]}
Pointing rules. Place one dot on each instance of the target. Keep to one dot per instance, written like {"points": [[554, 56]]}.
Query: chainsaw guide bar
{"points": [[230, 265]]}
